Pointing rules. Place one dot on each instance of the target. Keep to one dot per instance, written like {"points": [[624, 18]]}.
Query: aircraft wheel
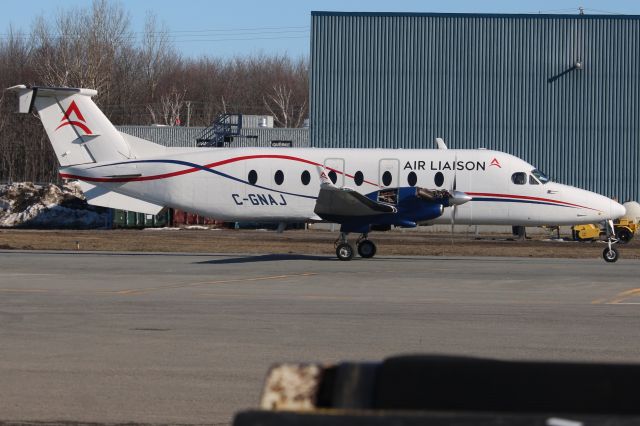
{"points": [[344, 251], [610, 255], [624, 235], [366, 249]]}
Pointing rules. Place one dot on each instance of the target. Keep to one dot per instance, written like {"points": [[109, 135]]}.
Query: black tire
{"points": [[367, 249], [624, 235], [610, 255], [344, 251]]}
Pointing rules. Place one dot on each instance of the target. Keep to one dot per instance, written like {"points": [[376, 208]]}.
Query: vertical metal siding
{"points": [[401, 80], [186, 136]]}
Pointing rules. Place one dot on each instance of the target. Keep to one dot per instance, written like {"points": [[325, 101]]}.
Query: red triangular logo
{"points": [[78, 122], [73, 109], [495, 162]]}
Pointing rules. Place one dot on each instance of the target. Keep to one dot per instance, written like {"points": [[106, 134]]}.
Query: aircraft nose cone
{"points": [[616, 210]]}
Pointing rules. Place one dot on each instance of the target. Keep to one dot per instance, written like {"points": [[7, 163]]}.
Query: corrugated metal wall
{"points": [[186, 136], [504, 82]]}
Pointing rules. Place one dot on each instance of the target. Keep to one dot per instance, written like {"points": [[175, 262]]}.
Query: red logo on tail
{"points": [[78, 122], [495, 162]]}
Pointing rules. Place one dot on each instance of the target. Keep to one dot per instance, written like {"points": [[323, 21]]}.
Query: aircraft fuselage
{"points": [[282, 184]]}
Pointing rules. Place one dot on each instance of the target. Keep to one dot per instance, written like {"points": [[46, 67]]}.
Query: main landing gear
{"points": [[344, 250], [610, 254]]}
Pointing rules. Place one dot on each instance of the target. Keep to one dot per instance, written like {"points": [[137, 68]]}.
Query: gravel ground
{"points": [[299, 242]]}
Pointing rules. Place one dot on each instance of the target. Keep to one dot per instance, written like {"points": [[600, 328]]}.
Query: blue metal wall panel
{"points": [[502, 82]]}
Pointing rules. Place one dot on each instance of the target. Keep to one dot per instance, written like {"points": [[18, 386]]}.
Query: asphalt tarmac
{"points": [[180, 338]]}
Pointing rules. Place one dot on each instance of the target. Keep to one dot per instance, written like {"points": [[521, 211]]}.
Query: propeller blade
{"points": [[453, 220], [455, 173]]}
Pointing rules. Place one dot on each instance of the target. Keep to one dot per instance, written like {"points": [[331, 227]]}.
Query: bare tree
{"points": [[140, 80], [79, 49], [279, 104], [168, 112], [287, 99], [157, 54]]}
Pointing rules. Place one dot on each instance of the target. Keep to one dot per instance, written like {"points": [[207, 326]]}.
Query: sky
{"points": [[242, 27]]}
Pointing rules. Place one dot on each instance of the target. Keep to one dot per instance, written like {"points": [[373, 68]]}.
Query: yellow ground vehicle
{"points": [[624, 228]]}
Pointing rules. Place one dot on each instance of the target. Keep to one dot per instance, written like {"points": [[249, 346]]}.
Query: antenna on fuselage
{"points": [[440, 143]]}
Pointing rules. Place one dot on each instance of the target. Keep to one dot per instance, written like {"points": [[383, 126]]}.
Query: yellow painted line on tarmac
{"points": [[204, 283], [618, 298], [22, 290]]}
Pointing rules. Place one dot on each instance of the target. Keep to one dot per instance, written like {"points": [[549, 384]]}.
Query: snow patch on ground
{"points": [[27, 205]]}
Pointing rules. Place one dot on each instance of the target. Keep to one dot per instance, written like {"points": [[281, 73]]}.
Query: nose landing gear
{"points": [[610, 254], [344, 251]]}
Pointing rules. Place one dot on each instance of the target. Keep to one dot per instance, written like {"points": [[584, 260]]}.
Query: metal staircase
{"points": [[221, 132]]}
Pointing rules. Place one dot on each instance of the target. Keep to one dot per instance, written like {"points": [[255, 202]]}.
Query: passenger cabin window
{"points": [[438, 179], [279, 177], [533, 181], [333, 176], [386, 178], [358, 178], [253, 177], [412, 179], [305, 177], [519, 178]]}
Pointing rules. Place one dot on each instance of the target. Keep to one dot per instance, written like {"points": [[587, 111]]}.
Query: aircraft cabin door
{"points": [[335, 170], [389, 180], [389, 173]]}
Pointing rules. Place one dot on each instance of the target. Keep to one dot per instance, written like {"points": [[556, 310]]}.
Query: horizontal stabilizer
{"points": [[98, 196]]}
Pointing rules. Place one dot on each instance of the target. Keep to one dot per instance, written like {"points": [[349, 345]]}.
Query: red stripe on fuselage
{"points": [[525, 197], [207, 166]]}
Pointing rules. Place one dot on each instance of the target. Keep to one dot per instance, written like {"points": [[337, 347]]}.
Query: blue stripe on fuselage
{"points": [[215, 172]]}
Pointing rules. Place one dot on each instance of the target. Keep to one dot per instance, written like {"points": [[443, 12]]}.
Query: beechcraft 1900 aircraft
{"points": [[360, 189]]}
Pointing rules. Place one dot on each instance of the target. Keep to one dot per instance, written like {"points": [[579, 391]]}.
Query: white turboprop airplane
{"points": [[360, 189]]}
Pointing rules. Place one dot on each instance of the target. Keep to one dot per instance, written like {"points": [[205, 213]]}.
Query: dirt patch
{"points": [[298, 242]]}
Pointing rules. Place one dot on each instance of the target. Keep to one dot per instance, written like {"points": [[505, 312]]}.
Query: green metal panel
{"points": [[505, 82], [132, 219], [119, 218], [162, 219], [129, 219], [149, 220]]}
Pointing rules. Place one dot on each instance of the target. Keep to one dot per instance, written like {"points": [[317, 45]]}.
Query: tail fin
{"points": [[79, 132]]}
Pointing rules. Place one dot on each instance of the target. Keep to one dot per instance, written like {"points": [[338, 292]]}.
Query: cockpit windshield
{"points": [[540, 176]]}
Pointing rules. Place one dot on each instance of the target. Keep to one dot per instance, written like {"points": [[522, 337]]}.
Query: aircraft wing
{"points": [[335, 202]]}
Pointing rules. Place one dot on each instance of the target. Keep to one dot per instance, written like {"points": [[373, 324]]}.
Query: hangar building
{"points": [[560, 91]]}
